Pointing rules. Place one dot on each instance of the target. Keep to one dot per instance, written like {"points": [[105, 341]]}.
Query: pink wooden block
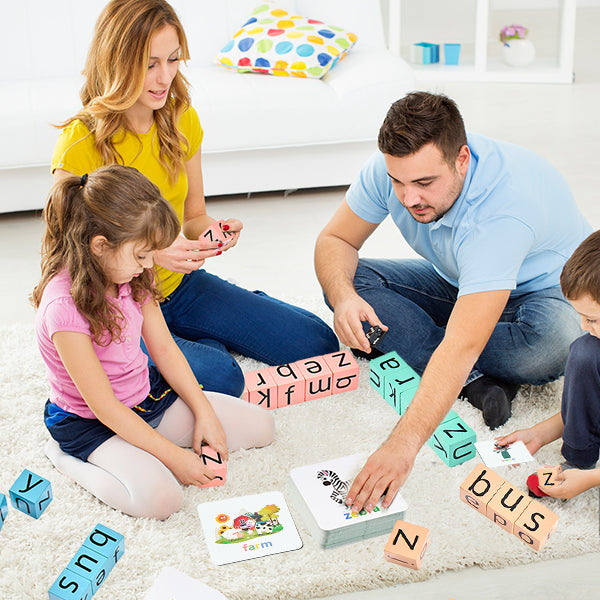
{"points": [[290, 384], [318, 377], [345, 371], [213, 235], [261, 388], [212, 459], [228, 236]]}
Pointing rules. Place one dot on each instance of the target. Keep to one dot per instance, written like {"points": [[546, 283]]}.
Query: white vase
{"points": [[518, 53]]}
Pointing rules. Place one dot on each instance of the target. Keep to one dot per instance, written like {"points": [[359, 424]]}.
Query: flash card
{"points": [[496, 456]]}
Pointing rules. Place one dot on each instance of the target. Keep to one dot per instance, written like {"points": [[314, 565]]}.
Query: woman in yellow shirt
{"points": [[137, 112]]}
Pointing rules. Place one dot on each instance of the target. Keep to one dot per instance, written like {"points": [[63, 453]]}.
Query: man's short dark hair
{"points": [[581, 274], [421, 118]]}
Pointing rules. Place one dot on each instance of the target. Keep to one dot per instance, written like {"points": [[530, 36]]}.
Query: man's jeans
{"points": [[529, 344], [210, 317]]}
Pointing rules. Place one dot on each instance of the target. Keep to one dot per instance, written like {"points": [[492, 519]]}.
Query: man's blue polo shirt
{"points": [[513, 226]]}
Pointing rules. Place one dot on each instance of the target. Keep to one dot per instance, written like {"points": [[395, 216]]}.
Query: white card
{"points": [[495, 456], [248, 527], [324, 487], [172, 584]]}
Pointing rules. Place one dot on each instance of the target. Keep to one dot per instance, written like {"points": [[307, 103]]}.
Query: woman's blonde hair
{"points": [[120, 204], [115, 71]]}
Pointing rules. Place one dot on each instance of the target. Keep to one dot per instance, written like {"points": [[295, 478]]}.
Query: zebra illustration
{"points": [[339, 487]]}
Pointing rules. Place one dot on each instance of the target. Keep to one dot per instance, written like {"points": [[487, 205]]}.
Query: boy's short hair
{"points": [[581, 274]]}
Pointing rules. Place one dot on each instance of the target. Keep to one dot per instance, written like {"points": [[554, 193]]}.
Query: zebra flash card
{"points": [[319, 491]]}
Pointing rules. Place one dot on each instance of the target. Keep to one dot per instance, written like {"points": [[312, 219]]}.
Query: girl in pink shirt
{"points": [[120, 429]]}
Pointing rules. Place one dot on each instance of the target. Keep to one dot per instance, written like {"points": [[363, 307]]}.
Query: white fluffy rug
{"points": [[33, 552]]}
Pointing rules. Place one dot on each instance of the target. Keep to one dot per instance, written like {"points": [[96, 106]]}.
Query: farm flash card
{"points": [[248, 527], [498, 456]]}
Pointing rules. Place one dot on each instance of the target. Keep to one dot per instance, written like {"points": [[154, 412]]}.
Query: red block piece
{"points": [[318, 377], [289, 384], [212, 459], [260, 389], [345, 371]]}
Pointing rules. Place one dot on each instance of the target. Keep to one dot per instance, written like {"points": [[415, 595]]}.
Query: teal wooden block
{"points": [[383, 366], [91, 565], [107, 542], [452, 414], [31, 494], [401, 385], [3, 509], [453, 441], [70, 586]]}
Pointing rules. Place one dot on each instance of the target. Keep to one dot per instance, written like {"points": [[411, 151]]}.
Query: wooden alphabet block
{"points": [[289, 383], [453, 441], [107, 542], [479, 487], [318, 378], [506, 506], [31, 494], [91, 565], [215, 235], [535, 525], [407, 545], [547, 476], [381, 367], [345, 371], [3, 510], [260, 388], [212, 459], [71, 586], [400, 388]]}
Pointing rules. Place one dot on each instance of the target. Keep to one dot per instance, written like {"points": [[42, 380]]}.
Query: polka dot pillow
{"points": [[273, 41]]}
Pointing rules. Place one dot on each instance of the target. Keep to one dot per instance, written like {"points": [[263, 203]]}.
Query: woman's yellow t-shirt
{"points": [[75, 151]]}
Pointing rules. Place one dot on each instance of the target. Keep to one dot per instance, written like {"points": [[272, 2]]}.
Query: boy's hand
{"points": [[527, 436], [574, 482]]}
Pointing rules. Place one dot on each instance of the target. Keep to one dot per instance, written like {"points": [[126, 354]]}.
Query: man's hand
{"points": [[347, 322], [384, 472]]}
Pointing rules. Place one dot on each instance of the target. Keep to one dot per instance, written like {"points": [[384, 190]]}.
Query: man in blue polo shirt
{"points": [[482, 310]]}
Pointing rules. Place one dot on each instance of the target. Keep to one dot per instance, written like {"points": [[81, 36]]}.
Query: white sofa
{"points": [[261, 132]]}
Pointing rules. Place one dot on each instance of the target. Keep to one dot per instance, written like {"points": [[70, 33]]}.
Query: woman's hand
{"points": [[185, 256]]}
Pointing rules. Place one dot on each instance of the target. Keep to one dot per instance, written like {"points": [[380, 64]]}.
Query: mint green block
{"points": [[402, 385], [382, 367], [453, 441]]}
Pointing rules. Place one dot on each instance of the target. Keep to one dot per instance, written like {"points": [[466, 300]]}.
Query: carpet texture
{"points": [[33, 552]]}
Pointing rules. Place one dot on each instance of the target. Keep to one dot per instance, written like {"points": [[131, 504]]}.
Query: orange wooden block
{"points": [[260, 388], [407, 545], [290, 384], [479, 487], [212, 459], [536, 524], [506, 506], [318, 377], [345, 371], [547, 475]]}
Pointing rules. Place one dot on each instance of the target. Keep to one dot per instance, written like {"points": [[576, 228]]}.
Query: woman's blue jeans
{"points": [[529, 344], [210, 317]]}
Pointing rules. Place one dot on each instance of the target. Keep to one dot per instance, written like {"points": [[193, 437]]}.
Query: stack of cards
{"points": [[319, 491]]}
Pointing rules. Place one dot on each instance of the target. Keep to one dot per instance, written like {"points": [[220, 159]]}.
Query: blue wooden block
{"points": [[31, 494], [70, 586], [3, 509], [91, 565], [451, 54], [382, 367], [107, 542], [453, 441]]}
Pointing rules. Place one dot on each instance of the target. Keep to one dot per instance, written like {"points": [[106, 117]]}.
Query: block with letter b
{"points": [[3, 509], [213, 460], [290, 386], [453, 441], [479, 487], [318, 378], [407, 545], [260, 388], [345, 370], [535, 525], [31, 494]]}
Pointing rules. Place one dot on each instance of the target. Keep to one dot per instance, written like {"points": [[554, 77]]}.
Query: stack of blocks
{"points": [[212, 459], [507, 506], [453, 441], [407, 544], [31, 494], [90, 566], [303, 380]]}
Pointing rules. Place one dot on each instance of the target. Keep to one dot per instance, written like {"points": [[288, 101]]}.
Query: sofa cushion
{"points": [[275, 41]]}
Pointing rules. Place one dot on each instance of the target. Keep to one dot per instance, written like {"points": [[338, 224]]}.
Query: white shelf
{"points": [[480, 67]]}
